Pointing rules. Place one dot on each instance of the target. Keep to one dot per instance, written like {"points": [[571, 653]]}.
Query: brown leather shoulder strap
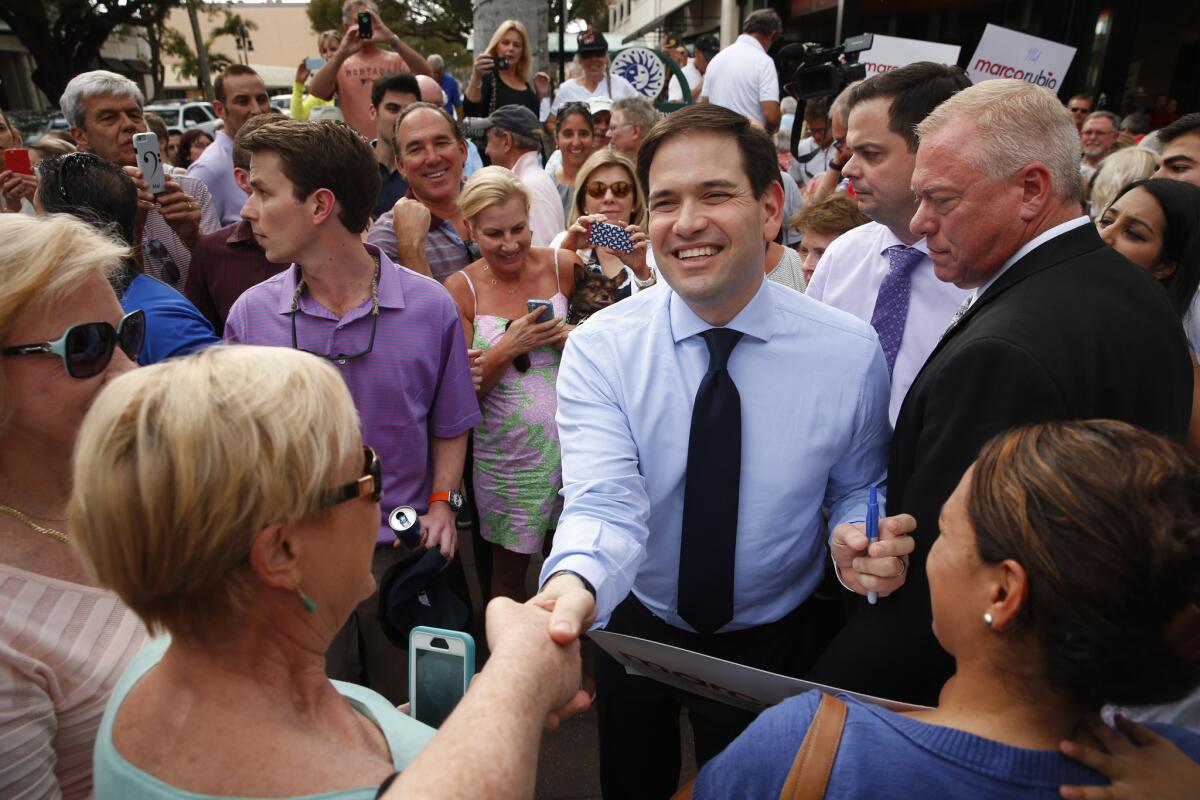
{"points": [[814, 760]]}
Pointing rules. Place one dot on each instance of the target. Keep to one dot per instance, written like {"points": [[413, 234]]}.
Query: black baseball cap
{"points": [[415, 592], [591, 41], [708, 44], [515, 119]]}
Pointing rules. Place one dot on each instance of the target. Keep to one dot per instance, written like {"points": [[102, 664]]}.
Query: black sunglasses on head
{"points": [[87, 349], [370, 484]]}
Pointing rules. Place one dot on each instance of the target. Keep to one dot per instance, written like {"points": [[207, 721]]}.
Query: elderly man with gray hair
{"points": [[104, 110], [1058, 327], [453, 102]]}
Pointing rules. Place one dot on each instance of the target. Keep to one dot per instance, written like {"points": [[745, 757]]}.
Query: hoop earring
{"points": [[987, 618], [309, 604]]}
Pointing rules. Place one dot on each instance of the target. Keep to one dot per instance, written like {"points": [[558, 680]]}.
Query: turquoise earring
{"points": [[309, 604]]}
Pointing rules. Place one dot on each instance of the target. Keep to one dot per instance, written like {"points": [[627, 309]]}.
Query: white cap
{"points": [[598, 104]]}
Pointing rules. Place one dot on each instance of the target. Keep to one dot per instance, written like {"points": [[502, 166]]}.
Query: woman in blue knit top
{"points": [[1066, 576]]}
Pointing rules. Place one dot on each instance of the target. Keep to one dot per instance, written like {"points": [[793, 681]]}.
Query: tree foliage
{"points": [[176, 45], [65, 36]]}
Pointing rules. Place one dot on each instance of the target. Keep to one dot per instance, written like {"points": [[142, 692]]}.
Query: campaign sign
{"points": [[734, 684], [890, 52], [1004, 53]]}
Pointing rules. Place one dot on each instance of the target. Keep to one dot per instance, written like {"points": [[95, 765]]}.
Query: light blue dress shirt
{"points": [[815, 431], [215, 168]]}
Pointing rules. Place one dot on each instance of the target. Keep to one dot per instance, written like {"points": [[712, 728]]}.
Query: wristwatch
{"points": [[586, 583], [453, 497]]}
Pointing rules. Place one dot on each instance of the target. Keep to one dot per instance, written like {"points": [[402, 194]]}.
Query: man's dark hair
{"points": [[325, 154], [764, 22], [759, 161], [1188, 123], [403, 82], [817, 108], [241, 158], [232, 71], [914, 90]]}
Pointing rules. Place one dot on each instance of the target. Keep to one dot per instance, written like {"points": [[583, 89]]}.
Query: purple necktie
{"points": [[891, 304]]}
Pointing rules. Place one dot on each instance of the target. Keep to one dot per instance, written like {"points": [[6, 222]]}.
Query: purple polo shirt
{"points": [[414, 384]]}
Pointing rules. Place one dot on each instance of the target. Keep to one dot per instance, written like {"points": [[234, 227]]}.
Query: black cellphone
{"points": [[545, 305], [501, 63], [364, 26]]}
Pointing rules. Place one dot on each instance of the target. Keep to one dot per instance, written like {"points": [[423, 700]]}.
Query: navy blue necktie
{"points": [[710, 498]]}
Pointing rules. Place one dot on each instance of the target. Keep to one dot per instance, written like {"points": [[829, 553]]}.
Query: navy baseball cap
{"points": [[590, 42], [414, 592]]}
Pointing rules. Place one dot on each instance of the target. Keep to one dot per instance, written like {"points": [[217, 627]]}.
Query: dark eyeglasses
{"points": [[369, 485], [341, 358], [619, 189], [86, 349]]}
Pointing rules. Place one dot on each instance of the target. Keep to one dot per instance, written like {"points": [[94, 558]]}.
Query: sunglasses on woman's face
{"points": [[597, 189], [369, 485], [86, 349]]}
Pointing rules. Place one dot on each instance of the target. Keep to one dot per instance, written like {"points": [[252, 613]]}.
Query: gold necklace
{"points": [[42, 529], [495, 282]]}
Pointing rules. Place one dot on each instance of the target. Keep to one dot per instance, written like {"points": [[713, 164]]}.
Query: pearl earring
{"points": [[987, 618]]}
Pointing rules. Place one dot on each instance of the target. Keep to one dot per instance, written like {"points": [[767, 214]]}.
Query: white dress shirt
{"points": [[692, 75], [848, 277], [546, 212], [742, 77], [813, 387], [573, 91]]}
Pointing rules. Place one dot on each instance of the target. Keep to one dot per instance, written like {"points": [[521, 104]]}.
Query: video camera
{"points": [[825, 72]]}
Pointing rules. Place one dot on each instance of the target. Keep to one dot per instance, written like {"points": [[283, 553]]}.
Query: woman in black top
{"points": [[489, 87]]}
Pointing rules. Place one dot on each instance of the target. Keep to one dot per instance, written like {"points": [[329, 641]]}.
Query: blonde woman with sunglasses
{"points": [[607, 190], [63, 639]]}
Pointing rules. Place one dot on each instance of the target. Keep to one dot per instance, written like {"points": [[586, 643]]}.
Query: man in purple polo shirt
{"points": [[394, 335], [425, 230], [240, 95]]}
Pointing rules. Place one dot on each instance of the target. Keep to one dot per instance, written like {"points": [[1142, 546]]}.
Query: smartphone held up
{"points": [[17, 160], [365, 28], [440, 666], [149, 161]]}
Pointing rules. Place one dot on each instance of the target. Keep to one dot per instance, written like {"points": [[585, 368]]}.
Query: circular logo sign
{"points": [[643, 68]]}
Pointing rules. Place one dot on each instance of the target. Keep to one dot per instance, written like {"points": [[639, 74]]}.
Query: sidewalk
{"points": [[569, 763]]}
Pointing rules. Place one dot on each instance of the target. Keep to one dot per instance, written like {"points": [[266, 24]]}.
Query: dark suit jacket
{"points": [[1071, 331]]}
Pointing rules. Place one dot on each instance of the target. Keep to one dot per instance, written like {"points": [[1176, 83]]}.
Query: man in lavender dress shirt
{"points": [[240, 95], [394, 335]]}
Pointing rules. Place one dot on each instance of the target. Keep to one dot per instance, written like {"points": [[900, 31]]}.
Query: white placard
{"points": [[741, 686], [1004, 53], [889, 52]]}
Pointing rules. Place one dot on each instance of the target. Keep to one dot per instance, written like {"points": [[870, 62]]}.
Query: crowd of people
{"points": [[668, 357]]}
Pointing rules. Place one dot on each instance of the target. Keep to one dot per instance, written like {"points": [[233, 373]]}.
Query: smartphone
{"points": [[149, 160], [440, 666], [364, 26], [614, 237], [501, 63], [314, 63], [17, 160], [545, 305]]}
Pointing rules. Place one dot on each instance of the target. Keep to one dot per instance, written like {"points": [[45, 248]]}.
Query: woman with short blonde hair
{"points": [[63, 640], [500, 75], [517, 466]]}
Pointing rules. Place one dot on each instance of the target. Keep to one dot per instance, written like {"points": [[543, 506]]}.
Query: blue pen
{"points": [[872, 531]]}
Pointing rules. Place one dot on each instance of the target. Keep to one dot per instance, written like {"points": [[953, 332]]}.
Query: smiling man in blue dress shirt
{"points": [[703, 426]]}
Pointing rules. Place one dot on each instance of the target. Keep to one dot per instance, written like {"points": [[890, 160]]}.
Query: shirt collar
{"points": [[224, 140], [756, 319], [523, 162], [391, 290], [1029, 247], [242, 233], [890, 239], [746, 38]]}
